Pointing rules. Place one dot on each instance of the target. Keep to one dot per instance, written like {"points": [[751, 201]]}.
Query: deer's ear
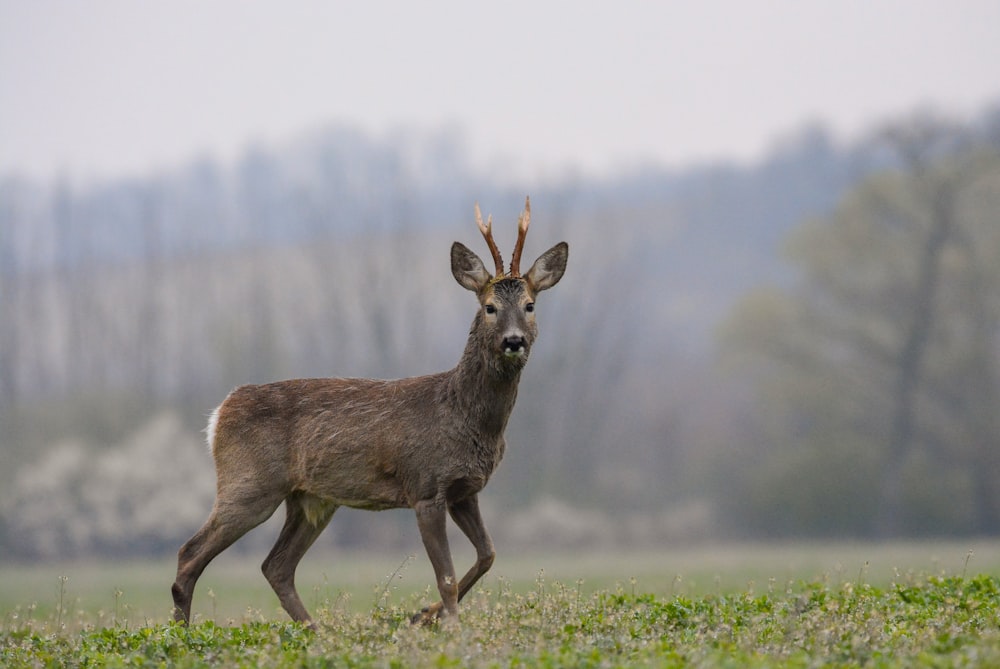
{"points": [[549, 268], [467, 268]]}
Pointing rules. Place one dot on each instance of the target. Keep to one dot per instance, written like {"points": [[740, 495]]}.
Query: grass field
{"points": [[900, 604]]}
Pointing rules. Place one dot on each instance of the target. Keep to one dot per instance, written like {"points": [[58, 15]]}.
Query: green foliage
{"points": [[875, 372], [933, 621]]}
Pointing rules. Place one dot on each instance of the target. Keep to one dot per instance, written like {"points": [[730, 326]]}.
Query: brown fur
{"points": [[429, 443]]}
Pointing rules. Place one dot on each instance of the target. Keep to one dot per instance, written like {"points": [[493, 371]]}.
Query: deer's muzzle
{"points": [[515, 346]]}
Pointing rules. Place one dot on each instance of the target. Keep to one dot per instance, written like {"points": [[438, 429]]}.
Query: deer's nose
{"points": [[514, 344]]}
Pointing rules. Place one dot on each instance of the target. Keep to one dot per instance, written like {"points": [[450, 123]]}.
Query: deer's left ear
{"points": [[549, 268], [467, 268]]}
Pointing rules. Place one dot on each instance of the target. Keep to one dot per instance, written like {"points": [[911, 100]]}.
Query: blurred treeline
{"points": [[806, 346]]}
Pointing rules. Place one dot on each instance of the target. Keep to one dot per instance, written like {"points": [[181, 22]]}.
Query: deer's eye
{"points": [[490, 309], [529, 307]]}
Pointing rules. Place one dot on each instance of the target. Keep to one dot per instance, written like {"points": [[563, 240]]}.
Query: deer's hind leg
{"points": [[305, 519], [228, 522]]}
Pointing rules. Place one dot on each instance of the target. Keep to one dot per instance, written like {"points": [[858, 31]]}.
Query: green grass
{"points": [[897, 605]]}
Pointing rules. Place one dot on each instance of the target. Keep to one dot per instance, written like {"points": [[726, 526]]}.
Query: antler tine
{"points": [[487, 231], [522, 231]]}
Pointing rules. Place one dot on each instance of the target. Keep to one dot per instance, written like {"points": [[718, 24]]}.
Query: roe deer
{"points": [[429, 443]]}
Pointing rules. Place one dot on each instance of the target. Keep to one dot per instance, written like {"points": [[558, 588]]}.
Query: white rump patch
{"points": [[213, 422]]}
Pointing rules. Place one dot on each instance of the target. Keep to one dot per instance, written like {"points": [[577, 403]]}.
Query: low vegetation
{"points": [[914, 620]]}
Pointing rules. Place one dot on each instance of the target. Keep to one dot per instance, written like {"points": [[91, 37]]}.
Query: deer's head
{"points": [[505, 323]]}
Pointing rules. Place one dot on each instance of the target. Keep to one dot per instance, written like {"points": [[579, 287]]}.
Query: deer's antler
{"points": [[487, 231], [522, 231]]}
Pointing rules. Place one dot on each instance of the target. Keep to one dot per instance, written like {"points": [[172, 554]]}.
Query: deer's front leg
{"points": [[431, 518], [466, 515]]}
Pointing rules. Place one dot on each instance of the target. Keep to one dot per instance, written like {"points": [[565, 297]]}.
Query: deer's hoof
{"points": [[422, 618], [428, 615]]}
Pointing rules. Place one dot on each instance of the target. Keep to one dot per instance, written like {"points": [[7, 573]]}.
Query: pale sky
{"points": [[102, 88]]}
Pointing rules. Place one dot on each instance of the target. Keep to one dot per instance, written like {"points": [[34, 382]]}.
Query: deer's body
{"points": [[429, 443], [365, 443]]}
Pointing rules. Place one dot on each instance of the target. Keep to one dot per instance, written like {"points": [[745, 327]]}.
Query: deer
{"points": [[428, 443]]}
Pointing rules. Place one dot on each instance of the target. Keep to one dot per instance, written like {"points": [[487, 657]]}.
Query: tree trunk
{"points": [[911, 361]]}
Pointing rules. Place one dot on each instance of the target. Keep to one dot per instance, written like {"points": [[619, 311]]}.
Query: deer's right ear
{"points": [[468, 269]]}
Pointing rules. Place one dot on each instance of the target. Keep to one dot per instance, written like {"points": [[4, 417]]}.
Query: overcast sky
{"points": [[102, 88]]}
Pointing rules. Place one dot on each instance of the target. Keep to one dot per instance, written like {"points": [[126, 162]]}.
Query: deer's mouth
{"points": [[515, 347]]}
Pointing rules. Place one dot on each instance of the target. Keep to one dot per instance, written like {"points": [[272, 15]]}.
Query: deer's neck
{"points": [[483, 389]]}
